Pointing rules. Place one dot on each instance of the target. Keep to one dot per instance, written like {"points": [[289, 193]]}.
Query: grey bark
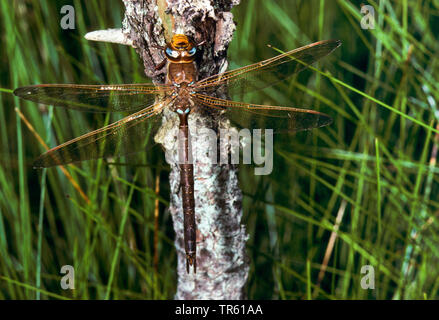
{"points": [[222, 265]]}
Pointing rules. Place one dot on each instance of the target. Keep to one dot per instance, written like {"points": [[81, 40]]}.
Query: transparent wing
{"points": [[94, 98], [128, 135], [254, 116], [268, 72]]}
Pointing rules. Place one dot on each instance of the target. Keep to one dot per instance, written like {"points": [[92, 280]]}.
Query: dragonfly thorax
{"points": [[183, 99], [179, 73]]}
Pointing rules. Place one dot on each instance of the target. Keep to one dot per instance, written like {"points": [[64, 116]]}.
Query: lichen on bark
{"points": [[222, 265]]}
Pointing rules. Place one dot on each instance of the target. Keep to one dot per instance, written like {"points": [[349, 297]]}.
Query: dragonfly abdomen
{"points": [[187, 191]]}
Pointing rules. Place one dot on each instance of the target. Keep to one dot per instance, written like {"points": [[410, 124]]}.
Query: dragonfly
{"points": [[184, 94]]}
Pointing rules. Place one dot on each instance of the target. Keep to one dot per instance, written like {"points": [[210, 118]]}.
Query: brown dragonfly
{"points": [[184, 94]]}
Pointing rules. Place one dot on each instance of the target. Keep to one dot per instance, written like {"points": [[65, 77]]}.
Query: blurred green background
{"points": [[362, 191]]}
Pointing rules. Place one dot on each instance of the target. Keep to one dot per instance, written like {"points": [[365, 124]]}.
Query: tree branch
{"points": [[222, 266], [109, 35]]}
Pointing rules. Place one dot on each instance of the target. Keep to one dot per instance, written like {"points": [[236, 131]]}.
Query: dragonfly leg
{"points": [[160, 65]]}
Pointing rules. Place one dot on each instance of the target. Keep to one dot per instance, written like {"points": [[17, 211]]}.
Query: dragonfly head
{"points": [[181, 49]]}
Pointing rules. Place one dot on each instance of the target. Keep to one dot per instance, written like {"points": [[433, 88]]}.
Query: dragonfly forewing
{"points": [[268, 72], [95, 98]]}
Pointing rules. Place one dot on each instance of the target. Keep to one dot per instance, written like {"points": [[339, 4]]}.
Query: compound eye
{"points": [[192, 51], [172, 53]]}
